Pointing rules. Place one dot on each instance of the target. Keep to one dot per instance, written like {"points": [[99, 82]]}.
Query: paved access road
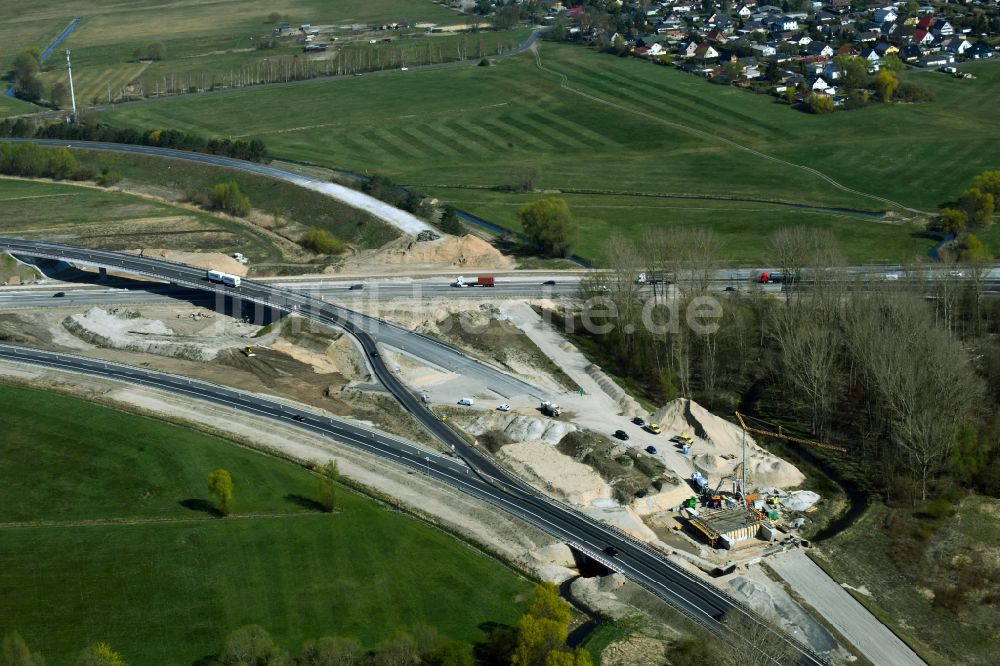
{"points": [[872, 638], [701, 601]]}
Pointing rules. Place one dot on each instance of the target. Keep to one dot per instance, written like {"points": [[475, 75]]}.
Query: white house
{"points": [[885, 15], [763, 50], [819, 85]]}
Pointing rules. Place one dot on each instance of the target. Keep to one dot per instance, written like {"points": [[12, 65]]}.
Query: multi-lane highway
{"points": [[480, 476]]}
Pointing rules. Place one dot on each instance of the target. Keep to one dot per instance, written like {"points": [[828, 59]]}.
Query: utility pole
{"points": [[72, 95]]}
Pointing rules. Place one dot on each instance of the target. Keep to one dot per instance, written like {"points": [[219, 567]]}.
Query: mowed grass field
{"points": [[99, 544], [113, 220], [635, 128]]}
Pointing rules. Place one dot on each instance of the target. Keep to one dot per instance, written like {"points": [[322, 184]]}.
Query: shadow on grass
{"points": [[201, 505], [304, 502], [497, 647]]}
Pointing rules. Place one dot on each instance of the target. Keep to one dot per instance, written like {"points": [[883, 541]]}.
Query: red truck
{"points": [[486, 281]]}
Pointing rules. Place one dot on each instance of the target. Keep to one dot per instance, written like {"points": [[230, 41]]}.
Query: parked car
{"points": [[622, 435], [654, 428], [468, 402], [651, 450], [504, 407], [639, 421]]}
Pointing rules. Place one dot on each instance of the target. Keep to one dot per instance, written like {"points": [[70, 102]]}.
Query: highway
{"points": [[699, 600]]}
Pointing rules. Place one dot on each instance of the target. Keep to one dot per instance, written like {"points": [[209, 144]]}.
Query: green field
{"points": [[10, 106], [641, 128], [110, 31], [105, 537], [94, 217]]}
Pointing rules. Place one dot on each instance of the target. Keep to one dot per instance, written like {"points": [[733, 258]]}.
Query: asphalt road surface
{"points": [[872, 638], [701, 601]]}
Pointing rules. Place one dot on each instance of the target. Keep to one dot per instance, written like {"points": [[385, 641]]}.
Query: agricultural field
{"points": [[625, 127], [91, 216], [108, 536], [204, 42]]}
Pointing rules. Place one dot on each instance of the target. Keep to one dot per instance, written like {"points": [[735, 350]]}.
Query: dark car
{"points": [[298, 417], [356, 287], [374, 353], [730, 288], [622, 435], [59, 294], [639, 421], [549, 282], [611, 550], [651, 450]]}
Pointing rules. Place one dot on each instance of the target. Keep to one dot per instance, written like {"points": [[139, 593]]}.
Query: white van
{"points": [[468, 402]]}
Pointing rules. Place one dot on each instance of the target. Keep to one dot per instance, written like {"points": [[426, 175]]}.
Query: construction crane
{"points": [[765, 429]]}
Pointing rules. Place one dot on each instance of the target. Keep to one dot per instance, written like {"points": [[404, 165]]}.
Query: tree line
{"points": [[906, 371], [252, 150]]}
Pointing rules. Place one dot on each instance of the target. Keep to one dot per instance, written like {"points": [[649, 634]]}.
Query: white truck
{"points": [[224, 278], [550, 408]]}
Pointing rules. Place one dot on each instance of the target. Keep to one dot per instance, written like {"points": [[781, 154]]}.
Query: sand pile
{"points": [[451, 251], [543, 465], [207, 260], [717, 443], [520, 427]]}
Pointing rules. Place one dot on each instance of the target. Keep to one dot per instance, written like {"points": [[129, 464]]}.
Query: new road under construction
{"points": [[472, 470]]}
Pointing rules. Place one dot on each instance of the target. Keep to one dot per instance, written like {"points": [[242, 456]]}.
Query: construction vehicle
{"points": [[248, 350], [550, 408]]}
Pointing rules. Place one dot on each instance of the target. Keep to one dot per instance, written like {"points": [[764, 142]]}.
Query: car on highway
{"points": [[730, 289], [59, 294], [356, 287], [468, 402], [622, 435], [892, 276], [610, 550], [374, 353], [404, 69], [651, 450], [549, 282], [298, 417], [654, 428], [503, 408], [639, 421]]}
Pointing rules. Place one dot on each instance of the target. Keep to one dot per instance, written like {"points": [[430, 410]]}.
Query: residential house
{"points": [[744, 12], [705, 52], [831, 72], [886, 49], [955, 45], [980, 50], [763, 50], [911, 52], [823, 18], [936, 59], [819, 49], [943, 29], [869, 36], [925, 22], [922, 37], [821, 86], [885, 14]]}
